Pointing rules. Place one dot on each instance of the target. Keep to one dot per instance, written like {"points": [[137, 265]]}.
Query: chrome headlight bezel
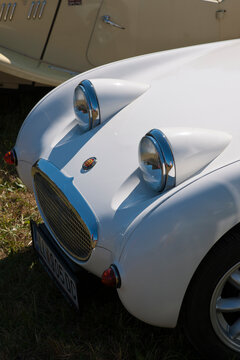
{"points": [[86, 90], [163, 162]]}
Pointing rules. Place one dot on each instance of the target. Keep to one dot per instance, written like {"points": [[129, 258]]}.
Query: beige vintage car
{"points": [[48, 41]]}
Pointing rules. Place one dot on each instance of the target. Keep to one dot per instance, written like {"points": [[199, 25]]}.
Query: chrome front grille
{"points": [[62, 219]]}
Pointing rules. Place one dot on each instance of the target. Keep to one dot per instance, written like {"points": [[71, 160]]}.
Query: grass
{"points": [[35, 320]]}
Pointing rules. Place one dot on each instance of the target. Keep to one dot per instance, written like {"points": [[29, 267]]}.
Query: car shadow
{"points": [[37, 322]]}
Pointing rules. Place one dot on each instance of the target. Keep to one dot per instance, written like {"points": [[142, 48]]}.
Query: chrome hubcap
{"points": [[225, 308]]}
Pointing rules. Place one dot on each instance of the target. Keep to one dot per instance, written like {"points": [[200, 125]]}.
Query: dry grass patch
{"points": [[17, 207]]}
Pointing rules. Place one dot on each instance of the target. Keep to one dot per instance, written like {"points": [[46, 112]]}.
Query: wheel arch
{"points": [[212, 251], [171, 243]]}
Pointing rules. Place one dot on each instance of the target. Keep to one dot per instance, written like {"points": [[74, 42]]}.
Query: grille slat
{"points": [[65, 223]]}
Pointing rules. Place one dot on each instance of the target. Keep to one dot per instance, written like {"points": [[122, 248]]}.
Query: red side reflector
{"points": [[10, 158], [111, 277]]}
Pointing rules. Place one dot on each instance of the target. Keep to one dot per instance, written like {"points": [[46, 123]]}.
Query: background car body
{"points": [[49, 41]]}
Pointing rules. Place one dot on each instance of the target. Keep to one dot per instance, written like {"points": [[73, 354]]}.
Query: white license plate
{"points": [[57, 269]]}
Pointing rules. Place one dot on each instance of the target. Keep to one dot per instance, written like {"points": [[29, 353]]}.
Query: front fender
{"points": [[165, 249]]}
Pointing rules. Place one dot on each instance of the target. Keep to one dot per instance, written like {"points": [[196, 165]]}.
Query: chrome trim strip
{"points": [[52, 67], [166, 154], [30, 10], [117, 275], [42, 9], [12, 12], [36, 9], [7, 11], [90, 93], [214, 1], [2, 10], [67, 188]]}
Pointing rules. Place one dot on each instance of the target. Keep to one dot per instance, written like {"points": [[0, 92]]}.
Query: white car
{"points": [[135, 169], [48, 41]]}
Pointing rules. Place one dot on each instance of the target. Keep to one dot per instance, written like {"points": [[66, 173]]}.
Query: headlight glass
{"points": [[156, 161], [151, 162], [86, 105]]}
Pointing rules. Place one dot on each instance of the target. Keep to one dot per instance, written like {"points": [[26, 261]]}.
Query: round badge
{"points": [[89, 163]]}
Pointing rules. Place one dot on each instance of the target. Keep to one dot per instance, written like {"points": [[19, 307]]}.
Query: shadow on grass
{"points": [[38, 323], [14, 108]]}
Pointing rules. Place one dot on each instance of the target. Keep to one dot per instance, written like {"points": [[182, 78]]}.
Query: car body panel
{"points": [[229, 19], [148, 27], [73, 39], [73, 36], [28, 68], [26, 33]]}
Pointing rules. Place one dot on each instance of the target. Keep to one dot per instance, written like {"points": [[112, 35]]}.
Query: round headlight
{"points": [[86, 105], [156, 161]]}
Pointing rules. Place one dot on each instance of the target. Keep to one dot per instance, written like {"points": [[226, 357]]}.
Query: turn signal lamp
{"points": [[111, 277], [10, 158]]}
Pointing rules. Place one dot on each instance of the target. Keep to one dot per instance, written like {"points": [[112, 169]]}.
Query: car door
{"points": [[144, 26], [25, 25], [70, 36]]}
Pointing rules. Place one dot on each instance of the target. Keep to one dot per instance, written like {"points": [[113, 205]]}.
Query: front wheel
{"points": [[211, 309]]}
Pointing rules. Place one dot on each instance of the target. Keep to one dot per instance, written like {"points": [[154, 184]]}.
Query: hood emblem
{"points": [[89, 163]]}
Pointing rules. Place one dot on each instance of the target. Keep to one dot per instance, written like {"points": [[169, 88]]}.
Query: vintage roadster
{"points": [[48, 41], [135, 169]]}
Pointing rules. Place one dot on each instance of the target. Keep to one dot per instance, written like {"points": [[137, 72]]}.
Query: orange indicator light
{"points": [[89, 163]]}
